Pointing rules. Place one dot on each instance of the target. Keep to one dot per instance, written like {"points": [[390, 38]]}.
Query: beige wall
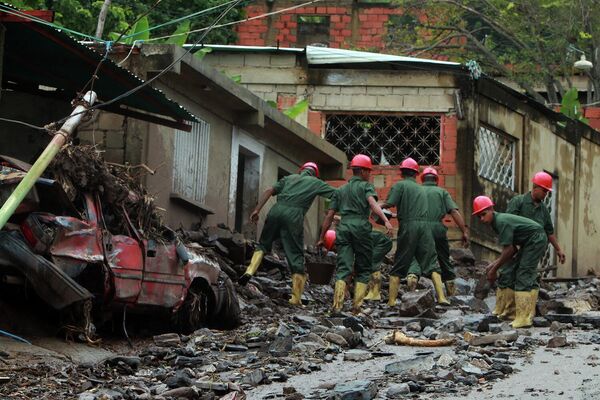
{"points": [[589, 212]]}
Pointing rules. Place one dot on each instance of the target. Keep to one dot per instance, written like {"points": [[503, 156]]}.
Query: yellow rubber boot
{"points": [[374, 287], [338, 296], [298, 282], [523, 301], [535, 293], [500, 298], [252, 268], [411, 282], [360, 291], [450, 288], [394, 288], [509, 311], [439, 288]]}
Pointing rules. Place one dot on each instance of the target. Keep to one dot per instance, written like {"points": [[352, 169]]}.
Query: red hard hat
{"points": [[543, 179], [311, 165], [480, 203], [360, 160], [429, 171], [329, 240], [409, 163]]}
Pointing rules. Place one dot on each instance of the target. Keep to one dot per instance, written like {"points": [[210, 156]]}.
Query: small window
{"points": [[190, 162], [312, 29], [387, 139], [497, 157]]}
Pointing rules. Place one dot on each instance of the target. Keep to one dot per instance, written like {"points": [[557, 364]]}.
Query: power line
{"points": [[16, 121], [283, 10]]}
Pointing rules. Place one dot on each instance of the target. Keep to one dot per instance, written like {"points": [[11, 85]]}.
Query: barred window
{"points": [[190, 162], [387, 139], [496, 157]]}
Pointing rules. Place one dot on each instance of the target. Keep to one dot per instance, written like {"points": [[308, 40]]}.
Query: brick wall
{"points": [[384, 177], [361, 28], [108, 133], [593, 116]]}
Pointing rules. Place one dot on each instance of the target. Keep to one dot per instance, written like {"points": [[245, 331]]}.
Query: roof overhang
{"points": [[45, 61], [215, 91]]}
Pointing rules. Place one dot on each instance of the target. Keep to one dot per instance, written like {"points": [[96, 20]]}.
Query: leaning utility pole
{"points": [[38, 168], [102, 18]]}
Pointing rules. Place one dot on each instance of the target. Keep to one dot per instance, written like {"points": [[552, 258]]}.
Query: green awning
{"points": [[36, 54]]}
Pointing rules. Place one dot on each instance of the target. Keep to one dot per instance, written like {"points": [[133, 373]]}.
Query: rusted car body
{"points": [[114, 271]]}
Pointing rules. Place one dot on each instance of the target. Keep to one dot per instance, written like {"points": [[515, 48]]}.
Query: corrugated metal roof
{"points": [[326, 55], [36, 54]]}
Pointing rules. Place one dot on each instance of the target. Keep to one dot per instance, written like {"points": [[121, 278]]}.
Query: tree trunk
{"points": [[102, 18]]}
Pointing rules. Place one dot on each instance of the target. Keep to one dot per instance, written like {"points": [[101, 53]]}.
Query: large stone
{"points": [[357, 355], [396, 390], [167, 340], [471, 369], [336, 339], [356, 390], [482, 340], [312, 337], [557, 341], [281, 346], [464, 286], [189, 392], [462, 255], [472, 302], [412, 365], [254, 378], [307, 347], [416, 303], [445, 361]]}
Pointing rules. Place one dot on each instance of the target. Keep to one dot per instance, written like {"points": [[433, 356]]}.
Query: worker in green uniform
{"points": [[440, 204], [353, 201], [382, 245], [530, 237], [529, 205], [414, 238], [285, 220]]}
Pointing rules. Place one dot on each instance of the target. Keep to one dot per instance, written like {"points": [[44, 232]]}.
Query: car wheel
{"points": [[229, 315], [192, 314]]}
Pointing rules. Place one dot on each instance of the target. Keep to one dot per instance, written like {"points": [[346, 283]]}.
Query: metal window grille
{"points": [[497, 157], [387, 139], [190, 161], [549, 258]]}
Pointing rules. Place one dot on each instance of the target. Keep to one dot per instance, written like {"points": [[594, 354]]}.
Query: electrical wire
{"points": [[161, 73], [16, 121], [281, 11], [174, 21], [32, 18]]}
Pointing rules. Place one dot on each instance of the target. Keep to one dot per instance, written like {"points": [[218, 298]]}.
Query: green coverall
{"points": [[524, 206], [414, 235], [531, 238], [353, 234], [381, 246], [440, 204], [285, 220]]}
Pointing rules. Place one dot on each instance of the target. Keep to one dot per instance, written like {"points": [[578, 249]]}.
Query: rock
{"points": [[355, 324], [357, 355], [183, 361], [283, 330], [462, 255], [471, 369], [281, 346], [445, 361], [482, 340], [504, 368], [181, 379], [557, 341], [472, 302], [102, 394], [337, 339], [540, 322], [429, 332], [397, 389], [413, 365], [235, 347], [254, 378], [182, 393], [167, 340], [453, 326], [312, 337], [556, 326], [464, 286], [212, 386], [414, 326], [306, 321], [356, 390], [307, 347], [416, 303], [445, 375]]}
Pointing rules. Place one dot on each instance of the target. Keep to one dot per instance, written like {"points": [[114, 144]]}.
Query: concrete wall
{"points": [[588, 216]]}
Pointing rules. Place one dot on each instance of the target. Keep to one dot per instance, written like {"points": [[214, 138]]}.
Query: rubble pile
{"points": [[81, 169], [421, 348]]}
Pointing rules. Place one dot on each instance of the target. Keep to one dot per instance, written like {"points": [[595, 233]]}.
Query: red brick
{"points": [[448, 168], [285, 101], [382, 18], [347, 18], [315, 122], [346, 32], [339, 25], [362, 17], [449, 145], [449, 156], [372, 17], [335, 45], [335, 18], [292, 24], [330, 10], [321, 10], [592, 112], [286, 17], [291, 38]]}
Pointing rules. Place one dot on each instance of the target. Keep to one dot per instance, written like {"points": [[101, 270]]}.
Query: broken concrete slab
{"points": [[482, 340], [416, 303], [356, 390]]}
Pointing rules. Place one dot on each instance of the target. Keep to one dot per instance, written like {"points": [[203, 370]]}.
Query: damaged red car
{"points": [[64, 250]]}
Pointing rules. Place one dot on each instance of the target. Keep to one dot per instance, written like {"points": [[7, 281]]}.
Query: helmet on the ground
{"points": [[312, 166], [362, 161], [410, 163], [481, 203], [429, 171], [543, 179], [329, 240]]}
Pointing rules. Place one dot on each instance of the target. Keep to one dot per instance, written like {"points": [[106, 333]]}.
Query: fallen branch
{"points": [[400, 338]]}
